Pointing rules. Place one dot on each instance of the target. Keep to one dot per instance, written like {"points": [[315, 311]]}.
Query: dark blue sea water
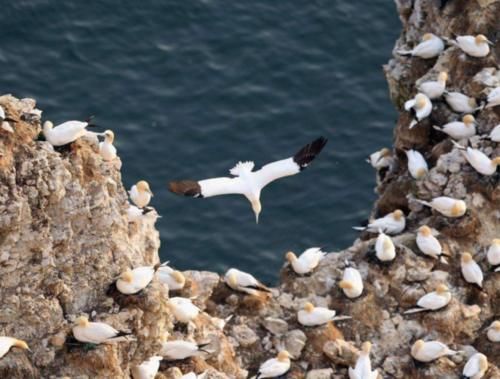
{"points": [[191, 87]]}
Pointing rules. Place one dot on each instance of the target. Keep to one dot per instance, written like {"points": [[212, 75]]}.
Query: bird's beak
{"points": [[489, 42], [256, 218]]}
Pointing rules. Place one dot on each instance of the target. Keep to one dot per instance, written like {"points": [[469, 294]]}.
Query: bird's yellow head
{"points": [[366, 347], [480, 39], [443, 76], [483, 362], [496, 161], [257, 208], [283, 356], [495, 325], [290, 257], [425, 231], [127, 276], [495, 242], [308, 307], [179, 277], [420, 101], [466, 258], [421, 173], [385, 152], [82, 321], [458, 208], [442, 288], [346, 284], [21, 344], [472, 102], [468, 120], [398, 214], [47, 126], [418, 345], [427, 36], [387, 244], [109, 136], [233, 281], [143, 186]]}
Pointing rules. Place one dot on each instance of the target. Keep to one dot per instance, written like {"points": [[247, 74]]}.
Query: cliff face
{"points": [[64, 238]]}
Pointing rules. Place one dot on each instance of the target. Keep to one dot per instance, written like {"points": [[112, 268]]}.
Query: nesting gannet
{"points": [[495, 134], [479, 161], [141, 194], [250, 183], [307, 261], [470, 270], [420, 106], [429, 351], [447, 206], [381, 158], [66, 132], [475, 367], [106, 148], [475, 46], [192, 375], [137, 215], [183, 309], [314, 316], [430, 47], [94, 332], [363, 367], [7, 342], [435, 88], [244, 282], [147, 369], [416, 164], [351, 283], [459, 129], [460, 103], [175, 280], [133, 281], [392, 223], [4, 121], [384, 248], [493, 332], [177, 350], [427, 243], [275, 367], [433, 300], [493, 254], [493, 98]]}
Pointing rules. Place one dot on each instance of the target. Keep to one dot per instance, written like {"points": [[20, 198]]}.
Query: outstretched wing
{"points": [[208, 187], [290, 166]]}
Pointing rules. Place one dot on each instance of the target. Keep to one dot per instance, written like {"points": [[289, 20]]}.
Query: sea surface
{"points": [[191, 87]]}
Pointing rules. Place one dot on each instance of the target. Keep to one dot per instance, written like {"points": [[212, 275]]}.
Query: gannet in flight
{"points": [[141, 194], [433, 300], [94, 332], [307, 261], [429, 351], [459, 129], [475, 46], [147, 369], [434, 88], [7, 342], [476, 367], [106, 148], [244, 282], [247, 182], [430, 47], [493, 332], [420, 106], [471, 270], [274, 367], [66, 132], [363, 367]]}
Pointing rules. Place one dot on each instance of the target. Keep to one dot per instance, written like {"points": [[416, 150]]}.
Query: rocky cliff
{"points": [[65, 237]]}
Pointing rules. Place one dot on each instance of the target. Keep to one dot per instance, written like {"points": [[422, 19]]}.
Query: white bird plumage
{"points": [[434, 89], [447, 206], [179, 349], [479, 161], [384, 248], [475, 46], [421, 106], [427, 243], [493, 98], [433, 300], [6, 343], [247, 182], [314, 316], [430, 47], [275, 367], [93, 332], [471, 271], [137, 215], [460, 103], [133, 281], [493, 331], [65, 133], [494, 134], [428, 351], [363, 367], [417, 166], [175, 280], [307, 261], [244, 282], [493, 254], [381, 159], [141, 194], [459, 129], [351, 283], [476, 366], [106, 148], [147, 369], [183, 309], [392, 223]]}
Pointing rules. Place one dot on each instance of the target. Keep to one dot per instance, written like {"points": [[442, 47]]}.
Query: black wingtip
{"points": [[186, 188], [307, 154]]}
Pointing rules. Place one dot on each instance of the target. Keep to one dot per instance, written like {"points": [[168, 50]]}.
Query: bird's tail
{"points": [[158, 265], [201, 347], [404, 52], [360, 228], [414, 310], [497, 269], [426, 203], [89, 122], [10, 120], [458, 146], [437, 128], [340, 318], [413, 123]]}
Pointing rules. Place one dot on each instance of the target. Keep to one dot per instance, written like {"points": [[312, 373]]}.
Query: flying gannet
{"points": [[427, 243], [106, 148], [7, 342], [147, 369], [493, 98], [363, 367], [417, 166], [459, 129], [493, 331], [141, 194], [429, 351], [493, 254], [244, 282], [475, 46], [179, 349], [433, 300], [460, 103], [133, 281], [392, 223], [247, 182], [447, 206], [183, 309], [175, 280], [66, 132], [314, 316], [420, 106], [275, 367], [307, 261], [95, 332], [470, 270], [430, 47], [351, 283], [434, 88], [385, 250], [478, 160], [475, 367]]}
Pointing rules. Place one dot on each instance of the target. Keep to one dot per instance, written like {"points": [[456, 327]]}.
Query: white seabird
{"points": [[494, 134], [493, 98], [307, 261], [459, 129], [183, 309], [4, 121], [430, 47], [470, 270], [7, 342], [475, 367], [384, 248], [363, 367], [493, 332], [435, 88], [179, 349], [244, 282], [429, 351], [147, 369], [475, 46], [314, 316], [351, 283], [175, 280], [106, 148], [133, 281], [479, 161], [247, 182], [141, 194], [95, 332], [427, 243], [392, 223], [447, 206], [416, 164], [381, 158], [460, 103], [433, 300], [137, 215], [66, 132], [420, 106], [192, 375], [493, 254], [275, 367]]}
